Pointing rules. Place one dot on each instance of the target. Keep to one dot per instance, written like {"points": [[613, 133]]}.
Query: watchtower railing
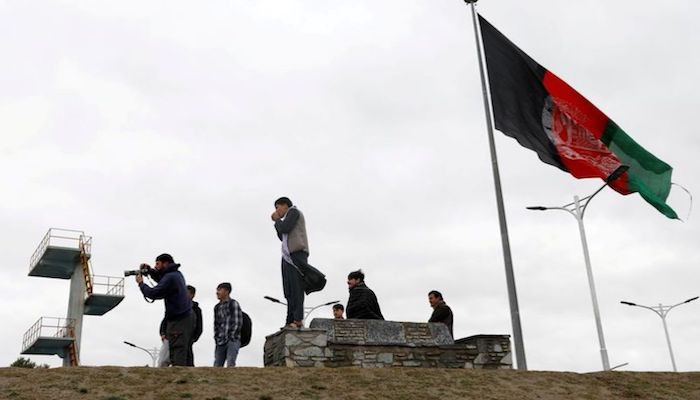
{"points": [[109, 285], [86, 242], [62, 238], [49, 327]]}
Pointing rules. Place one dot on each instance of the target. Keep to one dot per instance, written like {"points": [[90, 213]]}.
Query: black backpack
{"points": [[246, 330]]}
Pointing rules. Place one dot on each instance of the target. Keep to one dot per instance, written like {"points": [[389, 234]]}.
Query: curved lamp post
{"points": [[152, 353], [307, 310], [662, 311], [578, 209]]}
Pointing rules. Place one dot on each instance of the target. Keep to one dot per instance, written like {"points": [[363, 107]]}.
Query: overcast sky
{"points": [[173, 126]]}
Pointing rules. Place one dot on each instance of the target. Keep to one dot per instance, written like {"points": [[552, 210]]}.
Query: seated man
{"points": [[338, 311], [362, 303], [441, 311]]}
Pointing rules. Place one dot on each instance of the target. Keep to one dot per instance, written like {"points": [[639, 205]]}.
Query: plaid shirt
{"points": [[228, 320]]}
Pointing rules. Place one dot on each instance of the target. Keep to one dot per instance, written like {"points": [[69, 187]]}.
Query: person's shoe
{"points": [[294, 325]]}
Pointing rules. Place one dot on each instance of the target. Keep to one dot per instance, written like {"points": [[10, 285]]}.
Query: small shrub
{"points": [[185, 395], [23, 363]]}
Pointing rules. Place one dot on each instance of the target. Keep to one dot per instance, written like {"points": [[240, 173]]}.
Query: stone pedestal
{"points": [[379, 344], [297, 348]]}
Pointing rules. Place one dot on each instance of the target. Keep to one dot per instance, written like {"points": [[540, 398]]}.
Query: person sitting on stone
{"points": [[362, 303], [338, 311], [441, 311]]}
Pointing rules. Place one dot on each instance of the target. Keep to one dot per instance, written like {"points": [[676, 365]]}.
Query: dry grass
{"points": [[117, 383]]}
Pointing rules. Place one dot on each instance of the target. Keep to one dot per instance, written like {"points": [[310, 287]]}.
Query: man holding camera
{"points": [[179, 317]]}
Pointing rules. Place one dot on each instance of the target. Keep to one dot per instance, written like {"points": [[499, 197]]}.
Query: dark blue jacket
{"points": [[172, 288]]}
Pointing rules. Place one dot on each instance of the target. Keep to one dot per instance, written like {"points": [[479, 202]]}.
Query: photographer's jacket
{"points": [[172, 288]]}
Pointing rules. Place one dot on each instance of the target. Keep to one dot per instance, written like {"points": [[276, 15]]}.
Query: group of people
{"points": [[363, 304], [182, 324], [290, 226]]}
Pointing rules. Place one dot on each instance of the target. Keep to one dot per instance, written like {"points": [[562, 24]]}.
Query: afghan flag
{"points": [[546, 115]]}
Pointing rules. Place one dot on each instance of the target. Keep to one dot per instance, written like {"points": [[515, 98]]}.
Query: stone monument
{"points": [[380, 344]]}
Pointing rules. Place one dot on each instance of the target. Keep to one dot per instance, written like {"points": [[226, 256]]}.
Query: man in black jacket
{"points": [[441, 311], [197, 324], [362, 303], [179, 317]]}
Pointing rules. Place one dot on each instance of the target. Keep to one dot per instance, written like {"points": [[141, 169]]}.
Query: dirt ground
{"points": [[121, 383]]}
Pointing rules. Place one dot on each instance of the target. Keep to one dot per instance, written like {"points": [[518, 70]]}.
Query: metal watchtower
{"points": [[65, 254]]}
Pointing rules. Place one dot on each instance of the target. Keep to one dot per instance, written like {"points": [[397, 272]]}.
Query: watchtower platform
{"points": [[49, 336], [66, 254], [112, 289], [57, 255]]}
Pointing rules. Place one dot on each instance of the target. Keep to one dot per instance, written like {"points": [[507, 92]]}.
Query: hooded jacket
{"points": [[172, 289]]}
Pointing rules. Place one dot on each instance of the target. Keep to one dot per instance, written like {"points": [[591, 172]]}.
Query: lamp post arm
{"points": [[312, 309], [564, 208], [652, 309], [619, 171], [681, 303], [153, 357], [588, 199], [672, 307]]}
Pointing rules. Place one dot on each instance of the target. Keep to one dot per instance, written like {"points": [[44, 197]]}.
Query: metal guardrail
{"points": [[60, 237], [86, 241], [49, 327], [108, 285]]}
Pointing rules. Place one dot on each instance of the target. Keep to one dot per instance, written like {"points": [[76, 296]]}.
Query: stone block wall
{"points": [[379, 344], [297, 348], [493, 351]]}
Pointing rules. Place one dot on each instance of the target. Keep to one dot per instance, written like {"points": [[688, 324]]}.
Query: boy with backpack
{"points": [[228, 323]]}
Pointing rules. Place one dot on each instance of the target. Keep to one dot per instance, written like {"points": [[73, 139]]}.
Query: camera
{"points": [[143, 270]]}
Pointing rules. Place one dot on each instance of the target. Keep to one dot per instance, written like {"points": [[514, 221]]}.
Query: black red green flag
{"points": [[546, 115]]}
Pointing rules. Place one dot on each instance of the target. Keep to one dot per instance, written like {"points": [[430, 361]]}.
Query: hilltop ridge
{"points": [[123, 383]]}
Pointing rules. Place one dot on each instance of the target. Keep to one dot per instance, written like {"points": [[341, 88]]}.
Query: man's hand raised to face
{"points": [[275, 215]]}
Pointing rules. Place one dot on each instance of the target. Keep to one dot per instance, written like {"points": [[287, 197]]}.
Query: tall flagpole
{"points": [[510, 278]]}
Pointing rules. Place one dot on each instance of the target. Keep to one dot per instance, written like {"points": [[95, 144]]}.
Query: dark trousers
{"points": [[179, 334], [190, 354], [293, 286]]}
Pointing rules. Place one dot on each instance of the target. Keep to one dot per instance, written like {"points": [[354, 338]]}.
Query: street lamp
{"points": [[662, 311], [307, 310], [152, 353], [578, 209]]}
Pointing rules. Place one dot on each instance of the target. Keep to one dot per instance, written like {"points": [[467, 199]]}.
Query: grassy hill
{"points": [[121, 383]]}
